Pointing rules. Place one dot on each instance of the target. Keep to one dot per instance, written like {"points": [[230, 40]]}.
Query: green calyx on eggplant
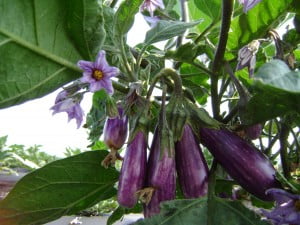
{"points": [[248, 166], [192, 169]]}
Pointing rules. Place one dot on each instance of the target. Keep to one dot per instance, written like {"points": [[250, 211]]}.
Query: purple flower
{"points": [[248, 4], [152, 20], [70, 105], [247, 57], [98, 74], [287, 210], [152, 5]]}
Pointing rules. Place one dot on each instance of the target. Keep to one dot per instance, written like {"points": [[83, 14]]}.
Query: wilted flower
{"points": [[152, 21], [247, 57], [70, 105], [98, 74], [248, 4], [287, 210], [152, 5]]}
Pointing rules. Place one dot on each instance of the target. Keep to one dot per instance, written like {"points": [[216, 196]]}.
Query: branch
{"points": [[219, 55]]}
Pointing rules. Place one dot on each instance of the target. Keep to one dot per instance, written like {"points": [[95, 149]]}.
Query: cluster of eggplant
{"points": [[153, 179]]}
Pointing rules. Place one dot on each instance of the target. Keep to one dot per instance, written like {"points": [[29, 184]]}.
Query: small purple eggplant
{"points": [[192, 169], [115, 130], [161, 175], [133, 171], [253, 132], [242, 161]]}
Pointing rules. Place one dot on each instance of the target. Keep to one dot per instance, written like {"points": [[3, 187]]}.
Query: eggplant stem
{"points": [[111, 158], [145, 194]]}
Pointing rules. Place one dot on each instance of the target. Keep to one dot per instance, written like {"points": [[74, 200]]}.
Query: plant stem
{"points": [[227, 7], [120, 87], [202, 68], [125, 61], [139, 59], [198, 39], [183, 19], [167, 73], [283, 136], [296, 145], [113, 3], [211, 193]]}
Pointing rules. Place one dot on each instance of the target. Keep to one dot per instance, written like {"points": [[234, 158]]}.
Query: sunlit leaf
{"points": [[37, 55], [63, 187], [194, 211], [86, 26], [167, 29]]}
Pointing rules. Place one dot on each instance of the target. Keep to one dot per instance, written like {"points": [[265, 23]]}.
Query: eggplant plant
{"points": [[212, 87]]}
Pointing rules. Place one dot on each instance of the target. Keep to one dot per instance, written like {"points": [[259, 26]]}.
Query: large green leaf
{"points": [[182, 212], [167, 29], [60, 188], [277, 74], [256, 22], [124, 17], [277, 93], [86, 26], [209, 11], [36, 53]]}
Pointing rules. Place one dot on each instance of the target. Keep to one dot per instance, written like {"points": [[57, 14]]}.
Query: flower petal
{"points": [[87, 78], [107, 84], [101, 62], [86, 65], [96, 86], [111, 72], [281, 195]]}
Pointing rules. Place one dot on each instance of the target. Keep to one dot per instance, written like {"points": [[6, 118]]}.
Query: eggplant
{"points": [[115, 130], [253, 132], [242, 161], [161, 175], [192, 169], [133, 170]]}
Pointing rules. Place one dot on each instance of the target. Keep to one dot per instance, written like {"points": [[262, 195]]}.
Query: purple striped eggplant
{"points": [[133, 171], [161, 175], [243, 162], [192, 169], [115, 130]]}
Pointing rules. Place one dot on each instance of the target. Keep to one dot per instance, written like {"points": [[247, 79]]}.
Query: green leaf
{"points": [[96, 117], [120, 212], [182, 212], [256, 22], [60, 188], [277, 92], [269, 103], [209, 11], [167, 29], [124, 17], [37, 55], [86, 26], [277, 74]]}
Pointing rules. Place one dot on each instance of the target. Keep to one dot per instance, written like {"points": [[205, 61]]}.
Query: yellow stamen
{"points": [[98, 75]]}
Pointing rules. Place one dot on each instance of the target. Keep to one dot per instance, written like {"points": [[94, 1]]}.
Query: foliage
{"points": [[18, 156], [41, 42]]}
